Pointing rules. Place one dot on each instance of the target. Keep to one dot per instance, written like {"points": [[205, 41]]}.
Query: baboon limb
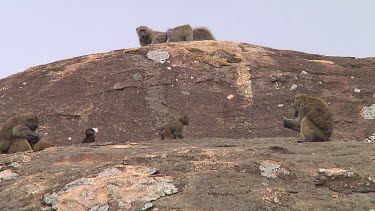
{"points": [[21, 131], [40, 145]]}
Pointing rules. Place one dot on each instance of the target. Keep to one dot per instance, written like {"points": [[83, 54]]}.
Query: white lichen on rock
{"points": [[158, 56], [371, 138], [147, 206], [368, 112], [269, 169]]}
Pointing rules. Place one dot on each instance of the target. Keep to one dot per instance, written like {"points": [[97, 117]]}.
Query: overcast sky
{"points": [[36, 32]]}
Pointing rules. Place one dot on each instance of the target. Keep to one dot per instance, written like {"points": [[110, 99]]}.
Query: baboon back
{"points": [[202, 33]]}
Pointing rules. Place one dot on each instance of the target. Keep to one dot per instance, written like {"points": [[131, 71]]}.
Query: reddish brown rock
{"points": [[235, 95]]}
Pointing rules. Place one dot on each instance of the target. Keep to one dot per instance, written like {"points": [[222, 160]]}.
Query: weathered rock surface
{"points": [[236, 155]]}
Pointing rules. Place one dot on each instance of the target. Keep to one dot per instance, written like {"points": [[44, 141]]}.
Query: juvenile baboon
{"points": [[16, 132], [314, 119], [40, 145], [160, 38], [162, 134], [172, 130], [146, 35], [180, 33], [202, 33], [90, 136]]}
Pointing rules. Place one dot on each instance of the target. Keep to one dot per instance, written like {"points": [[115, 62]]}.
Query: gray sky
{"points": [[36, 32]]}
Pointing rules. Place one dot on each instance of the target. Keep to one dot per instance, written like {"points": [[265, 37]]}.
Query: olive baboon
{"points": [[180, 33], [90, 136], [314, 118], [146, 35], [160, 38], [16, 132], [202, 33], [172, 130]]}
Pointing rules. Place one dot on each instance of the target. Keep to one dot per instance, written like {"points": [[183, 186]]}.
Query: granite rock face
{"points": [[236, 154]]}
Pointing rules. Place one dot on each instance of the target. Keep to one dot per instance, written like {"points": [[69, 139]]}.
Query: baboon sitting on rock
{"points": [[18, 134], [90, 136], [172, 130], [314, 118]]}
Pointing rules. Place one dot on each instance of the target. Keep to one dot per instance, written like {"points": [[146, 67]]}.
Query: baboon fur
{"points": [[160, 38], [202, 33], [199, 34], [164, 135], [40, 145], [314, 118], [146, 35], [180, 33], [90, 136], [17, 131], [172, 130]]}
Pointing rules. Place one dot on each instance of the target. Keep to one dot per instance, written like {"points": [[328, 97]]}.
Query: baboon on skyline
{"points": [[180, 33], [202, 33], [146, 35]]}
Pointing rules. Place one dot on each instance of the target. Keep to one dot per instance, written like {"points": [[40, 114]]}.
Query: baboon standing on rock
{"points": [[172, 130], [314, 118], [17, 132], [146, 35], [180, 33]]}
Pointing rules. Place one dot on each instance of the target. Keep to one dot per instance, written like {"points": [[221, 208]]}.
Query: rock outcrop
{"points": [[237, 155]]}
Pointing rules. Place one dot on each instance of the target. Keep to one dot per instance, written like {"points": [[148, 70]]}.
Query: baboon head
{"points": [[142, 31], [184, 119], [31, 121], [90, 132]]}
